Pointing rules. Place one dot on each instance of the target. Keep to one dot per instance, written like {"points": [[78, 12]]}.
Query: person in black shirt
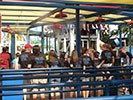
{"points": [[86, 62], [23, 63], [107, 59], [97, 61], [128, 58], [24, 57], [37, 60]]}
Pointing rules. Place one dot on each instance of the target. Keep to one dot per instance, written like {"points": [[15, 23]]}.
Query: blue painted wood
{"points": [[42, 40], [13, 45], [79, 2], [78, 33], [55, 44], [120, 28], [130, 40], [12, 82], [125, 97]]}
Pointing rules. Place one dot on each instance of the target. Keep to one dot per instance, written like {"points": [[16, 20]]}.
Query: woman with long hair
{"points": [[37, 60]]}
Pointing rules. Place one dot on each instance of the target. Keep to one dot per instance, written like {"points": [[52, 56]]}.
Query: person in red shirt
{"points": [[4, 58]]}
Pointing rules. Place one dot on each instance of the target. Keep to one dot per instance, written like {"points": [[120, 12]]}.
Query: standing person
{"points": [[37, 60], [107, 59], [23, 63], [97, 61], [54, 63], [24, 57], [10, 56], [15, 61], [86, 63], [4, 58], [75, 61], [117, 55], [64, 63], [129, 57]]}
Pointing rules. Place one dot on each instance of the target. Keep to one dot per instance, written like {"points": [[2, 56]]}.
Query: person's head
{"points": [[63, 55], [53, 53], [23, 50], [7, 48], [74, 55], [83, 50], [53, 56], [96, 54], [123, 49], [17, 55], [106, 47], [28, 48], [36, 50], [113, 46], [90, 51], [4, 49]]}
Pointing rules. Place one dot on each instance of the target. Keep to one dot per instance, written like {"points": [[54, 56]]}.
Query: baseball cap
{"points": [[28, 46]]}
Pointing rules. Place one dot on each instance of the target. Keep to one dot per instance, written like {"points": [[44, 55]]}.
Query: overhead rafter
{"points": [[46, 15], [89, 2], [118, 19], [27, 10]]}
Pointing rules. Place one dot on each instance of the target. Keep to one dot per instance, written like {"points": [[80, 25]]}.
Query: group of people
{"points": [[89, 58]]}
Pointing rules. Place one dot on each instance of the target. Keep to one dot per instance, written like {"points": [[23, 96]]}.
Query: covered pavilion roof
{"points": [[24, 14]]}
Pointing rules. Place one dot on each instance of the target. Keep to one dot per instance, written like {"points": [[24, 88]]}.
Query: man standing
{"points": [[24, 57], [4, 58], [23, 64]]}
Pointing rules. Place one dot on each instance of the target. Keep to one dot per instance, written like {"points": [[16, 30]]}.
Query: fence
{"points": [[27, 74]]}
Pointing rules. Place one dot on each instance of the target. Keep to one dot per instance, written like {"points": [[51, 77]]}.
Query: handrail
{"points": [[10, 76], [58, 68], [63, 76], [125, 97], [76, 84], [48, 70]]}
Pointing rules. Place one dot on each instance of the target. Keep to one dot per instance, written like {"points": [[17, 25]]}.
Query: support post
{"points": [[64, 44], [120, 28], [130, 40], [47, 43], [42, 40], [28, 37], [13, 45], [55, 44], [78, 33]]}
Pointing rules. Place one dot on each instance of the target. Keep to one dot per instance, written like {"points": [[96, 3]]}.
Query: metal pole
{"points": [[28, 37], [42, 40], [120, 28], [130, 40], [55, 44], [47, 43], [13, 45], [78, 33]]}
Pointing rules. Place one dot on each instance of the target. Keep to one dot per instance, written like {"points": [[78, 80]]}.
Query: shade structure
{"points": [[60, 15], [21, 16]]}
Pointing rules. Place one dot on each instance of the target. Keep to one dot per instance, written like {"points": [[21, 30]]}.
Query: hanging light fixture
{"points": [[60, 15], [100, 19], [131, 22], [7, 28]]}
